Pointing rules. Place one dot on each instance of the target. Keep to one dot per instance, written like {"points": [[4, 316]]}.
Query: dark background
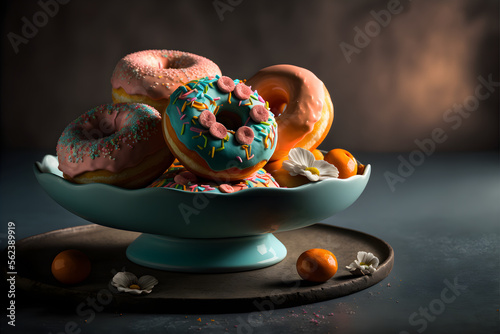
{"points": [[394, 91], [441, 220]]}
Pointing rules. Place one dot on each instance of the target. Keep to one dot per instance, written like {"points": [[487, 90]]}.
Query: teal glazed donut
{"points": [[219, 128]]}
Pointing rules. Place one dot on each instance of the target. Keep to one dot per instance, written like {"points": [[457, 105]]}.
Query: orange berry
{"points": [[317, 265], [273, 166], [361, 169], [344, 161], [282, 176], [318, 155], [284, 179], [71, 266]]}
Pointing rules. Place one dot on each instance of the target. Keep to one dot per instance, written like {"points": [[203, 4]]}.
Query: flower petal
{"points": [[366, 263], [367, 257], [123, 279], [291, 167], [310, 176], [357, 272], [301, 157], [131, 291], [147, 282], [352, 266], [361, 256], [370, 259], [49, 165], [326, 169]]}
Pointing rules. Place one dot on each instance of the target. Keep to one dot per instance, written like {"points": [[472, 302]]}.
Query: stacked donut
{"points": [[221, 132]]}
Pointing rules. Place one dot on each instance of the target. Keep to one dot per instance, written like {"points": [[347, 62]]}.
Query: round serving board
{"points": [[273, 287]]}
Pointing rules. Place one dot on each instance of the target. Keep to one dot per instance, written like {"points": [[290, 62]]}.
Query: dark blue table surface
{"points": [[442, 217]]}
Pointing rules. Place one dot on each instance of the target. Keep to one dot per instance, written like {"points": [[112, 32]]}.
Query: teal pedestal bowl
{"points": [[202, 232]]}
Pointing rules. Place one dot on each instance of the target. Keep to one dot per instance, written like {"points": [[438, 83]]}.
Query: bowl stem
{"points": [[206, 255]]}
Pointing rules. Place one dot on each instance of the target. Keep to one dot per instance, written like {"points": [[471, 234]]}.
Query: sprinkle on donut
{"points": [[177, 177], [110, 137], [226, 123], [93, 134], [157, 73]]}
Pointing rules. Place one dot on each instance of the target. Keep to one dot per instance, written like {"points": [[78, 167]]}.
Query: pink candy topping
{"points": [[225, 84], [244, 135], [185, 178], [226, 188], [242, 91], [259, 113], [218, 130], [206, 119]]}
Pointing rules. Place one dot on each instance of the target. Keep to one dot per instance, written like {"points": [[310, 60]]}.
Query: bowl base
{"points": [[206, 255]]}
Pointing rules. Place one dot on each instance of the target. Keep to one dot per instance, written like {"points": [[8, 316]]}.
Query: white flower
{"points": [[302, 162], [366, 263], [49, 165], [128, 282]]}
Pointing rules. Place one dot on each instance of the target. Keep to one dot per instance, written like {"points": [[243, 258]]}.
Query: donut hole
{"points": [[229, 119], [277, 98], [97, 129], [178, 62]]}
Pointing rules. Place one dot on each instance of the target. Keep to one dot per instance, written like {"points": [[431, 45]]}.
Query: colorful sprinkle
{"points": [[195, 129], [201, 106]]}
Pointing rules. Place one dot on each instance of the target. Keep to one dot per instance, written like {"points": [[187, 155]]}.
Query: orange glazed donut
{"points": [[151, 76], [301, 104], [118, 144]]}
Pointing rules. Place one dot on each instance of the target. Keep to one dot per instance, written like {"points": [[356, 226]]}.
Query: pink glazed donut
{"points": [[118, 144], [151, 76]]}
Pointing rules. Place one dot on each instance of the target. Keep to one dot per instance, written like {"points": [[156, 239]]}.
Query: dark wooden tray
{"points": [[263, 289]]}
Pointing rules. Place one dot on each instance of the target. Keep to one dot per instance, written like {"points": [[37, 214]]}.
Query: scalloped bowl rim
{"points": [[141, 191], [178, 213]]}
